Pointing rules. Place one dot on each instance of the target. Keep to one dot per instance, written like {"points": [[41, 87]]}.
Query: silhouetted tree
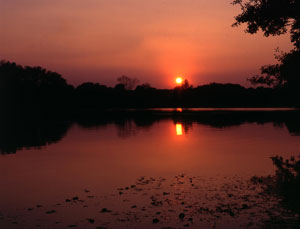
{"points": [[274, 17], [286, 72], [33, 87], [129, 83], [120, 87], [92, 95], [144, 87], [186, 85]]}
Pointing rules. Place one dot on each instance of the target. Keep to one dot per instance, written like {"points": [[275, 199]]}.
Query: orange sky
{"points": [[154, 41]]}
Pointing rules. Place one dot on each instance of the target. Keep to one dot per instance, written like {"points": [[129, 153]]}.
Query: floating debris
{"points": [[51, 212], [181, 216], [155, 220], [105, 210], [231, 201], [91, 221]]}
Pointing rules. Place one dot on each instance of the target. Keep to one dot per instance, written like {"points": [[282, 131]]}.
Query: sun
{"points": [[178, 80]]}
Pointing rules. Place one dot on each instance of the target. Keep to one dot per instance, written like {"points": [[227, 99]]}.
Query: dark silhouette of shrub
{"points": [[274, 17]]}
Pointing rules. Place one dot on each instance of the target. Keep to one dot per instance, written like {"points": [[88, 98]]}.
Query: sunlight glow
{"points": [[178, 129], [179, 80]]}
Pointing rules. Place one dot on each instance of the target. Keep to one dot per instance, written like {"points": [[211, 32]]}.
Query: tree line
{"points": [[26, 89]]}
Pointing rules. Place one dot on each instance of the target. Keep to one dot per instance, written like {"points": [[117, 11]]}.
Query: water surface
{"points": [[45, 163]]}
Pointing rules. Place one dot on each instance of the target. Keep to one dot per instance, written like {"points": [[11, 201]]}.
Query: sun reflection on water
{"points": [[178, 129]]}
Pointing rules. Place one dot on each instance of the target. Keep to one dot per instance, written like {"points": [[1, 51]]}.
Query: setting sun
{"points": [[178, 80]]}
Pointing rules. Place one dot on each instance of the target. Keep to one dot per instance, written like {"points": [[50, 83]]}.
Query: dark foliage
{"points": [[284, 74], [34, 90], [274, 17], [129, 84]]}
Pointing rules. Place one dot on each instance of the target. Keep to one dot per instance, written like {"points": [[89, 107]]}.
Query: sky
{"points": [[154, 41]]}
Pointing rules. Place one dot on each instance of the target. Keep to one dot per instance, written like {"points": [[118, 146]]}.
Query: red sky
{"points": [[154, 41]]}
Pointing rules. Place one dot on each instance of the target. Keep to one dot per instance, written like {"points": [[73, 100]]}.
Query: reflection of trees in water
{"points": [[289, 119], [126, 126], [285, 185], [15, 135], [293, 125], [133, 127], [30, 134], [127, 129]]}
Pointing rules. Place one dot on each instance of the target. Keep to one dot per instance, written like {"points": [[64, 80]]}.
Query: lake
{"points": [[159, 169]]}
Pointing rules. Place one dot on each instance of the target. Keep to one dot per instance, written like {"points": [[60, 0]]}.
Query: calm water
{"points": [[47, 163]]}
